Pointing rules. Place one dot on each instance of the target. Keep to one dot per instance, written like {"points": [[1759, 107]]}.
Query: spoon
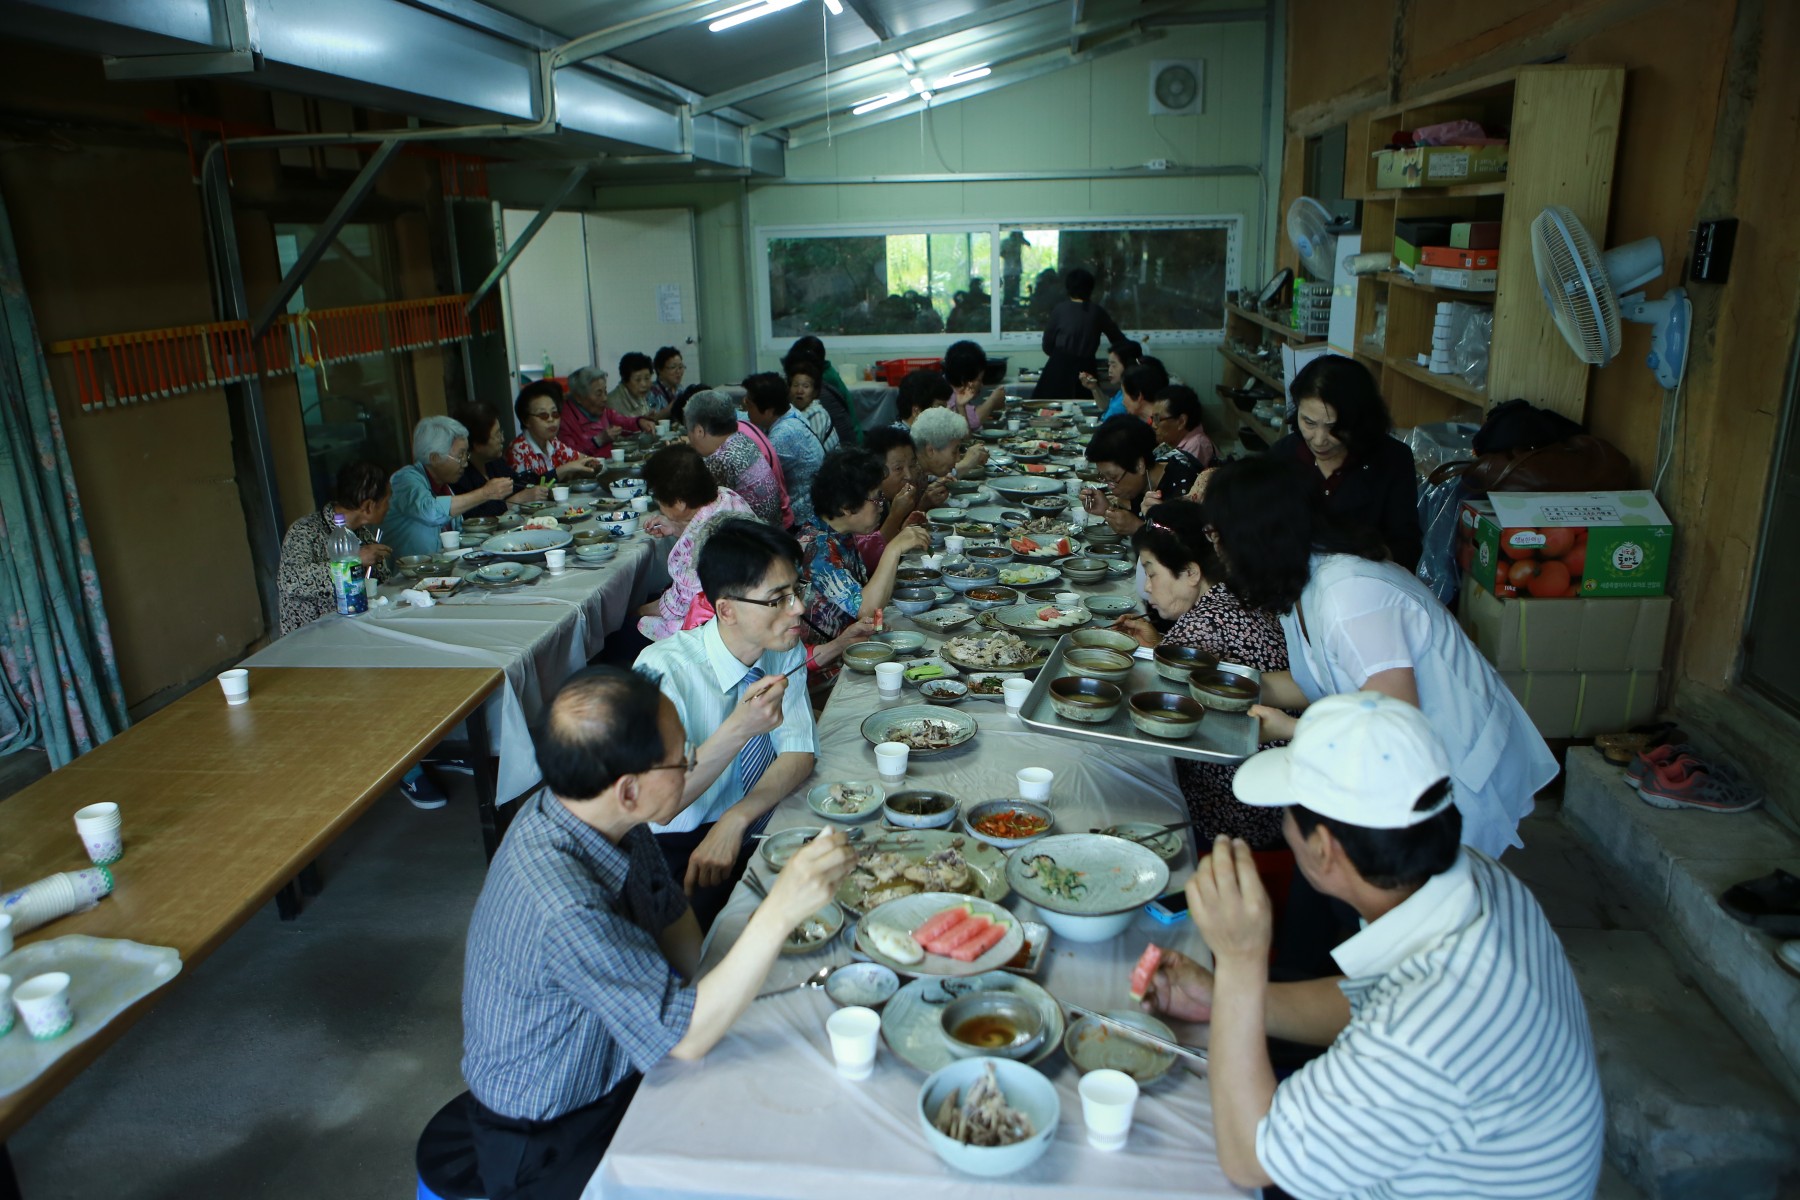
{"points": [[815, 980]]}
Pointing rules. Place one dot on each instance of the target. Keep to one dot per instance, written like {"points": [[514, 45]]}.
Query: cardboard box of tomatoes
{"points": [[1552, 545]]}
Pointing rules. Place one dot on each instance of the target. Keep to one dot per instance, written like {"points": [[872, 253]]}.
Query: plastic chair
{"points": [[446, 1155]]}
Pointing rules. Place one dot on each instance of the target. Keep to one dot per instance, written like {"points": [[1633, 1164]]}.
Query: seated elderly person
{"points": [[820, 411], [689, 503], [1139, 387], [796, 446], [1176, 416], [487, 460], [425, 501], [712, 428], [965, 363], [940, 439], [537, 451], [834, 393], [918, 391], [729, 681], [633, 397], [1123, 451], [1460, 1060], [303, 579], [670, 370], [847, 497], [588, 421], [900, 491], [580, 972]]}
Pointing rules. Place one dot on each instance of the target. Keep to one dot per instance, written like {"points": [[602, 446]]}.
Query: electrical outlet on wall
{"points": [[1158, 164]]}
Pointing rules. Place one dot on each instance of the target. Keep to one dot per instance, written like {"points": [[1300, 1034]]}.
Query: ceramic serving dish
{"points": [[1176, 663], [1103, 639], [1227, 687], [1097, 663], [1165, 714], [1090, 701]]}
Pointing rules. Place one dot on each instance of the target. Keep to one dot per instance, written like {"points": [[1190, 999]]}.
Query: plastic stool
{"points": [[446, 1155]]}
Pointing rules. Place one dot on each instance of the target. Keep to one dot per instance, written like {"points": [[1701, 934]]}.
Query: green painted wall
{"points": [[1088, 117]]}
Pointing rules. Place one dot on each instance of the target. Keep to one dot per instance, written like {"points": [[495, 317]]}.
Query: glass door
{"points": [[360, 409]]}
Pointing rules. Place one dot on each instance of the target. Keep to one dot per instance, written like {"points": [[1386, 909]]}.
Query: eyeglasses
{"points": [[461, 460], [541, 416], [690, 758], [786, 598]]}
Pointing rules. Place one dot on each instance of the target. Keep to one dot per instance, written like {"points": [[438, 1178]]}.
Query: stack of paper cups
{"points": [[6, 1005], [55, 896], [98, 825]]}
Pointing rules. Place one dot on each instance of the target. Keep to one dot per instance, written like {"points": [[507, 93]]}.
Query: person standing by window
{"points": [[1071, 337]]}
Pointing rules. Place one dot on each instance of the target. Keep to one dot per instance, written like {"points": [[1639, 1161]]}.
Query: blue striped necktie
{"points": [[759, 751]]}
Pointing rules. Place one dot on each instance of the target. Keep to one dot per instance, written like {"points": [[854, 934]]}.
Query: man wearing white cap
{"points": [[1460, 1063]]}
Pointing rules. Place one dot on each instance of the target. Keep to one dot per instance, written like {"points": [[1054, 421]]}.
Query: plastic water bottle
{"points": [[343, 557]]}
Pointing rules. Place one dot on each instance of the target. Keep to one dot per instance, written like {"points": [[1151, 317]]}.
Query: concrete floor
{"points": [[302, 1059]]}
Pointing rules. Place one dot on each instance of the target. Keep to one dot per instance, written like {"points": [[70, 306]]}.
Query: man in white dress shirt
{"points": [[752, 733], [1460, 1060]]}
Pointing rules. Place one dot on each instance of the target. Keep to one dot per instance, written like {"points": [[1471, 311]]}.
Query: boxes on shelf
{"points": [[1552, 545], [1475, 235], [1439, 166], [1462, 280], [1459, 259], [1411, 234]]}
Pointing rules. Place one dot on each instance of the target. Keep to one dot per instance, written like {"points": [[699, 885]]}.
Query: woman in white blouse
{"points": [[1354, 621]]}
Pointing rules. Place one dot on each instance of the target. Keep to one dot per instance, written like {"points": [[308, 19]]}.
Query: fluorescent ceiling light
{"points": [[966, 74], [881, 101], [741, 13], [836, 7]]}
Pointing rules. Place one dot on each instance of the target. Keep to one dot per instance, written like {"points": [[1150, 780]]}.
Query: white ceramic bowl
{"points": [[1087, 929], [1025, 1089], [621, 524], [625, 489]]}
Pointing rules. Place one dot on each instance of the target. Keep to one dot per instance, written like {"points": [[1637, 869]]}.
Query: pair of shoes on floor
{"points": [[1675, 776], [1620, 749], [1770, 903]]}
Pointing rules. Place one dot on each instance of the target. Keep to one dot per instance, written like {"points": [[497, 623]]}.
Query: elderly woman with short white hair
{"points": [[939, 436], [424, 504], [711, 418]]}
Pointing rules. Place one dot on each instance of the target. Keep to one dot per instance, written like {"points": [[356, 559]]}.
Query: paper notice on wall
{"points": [[668, 303]]}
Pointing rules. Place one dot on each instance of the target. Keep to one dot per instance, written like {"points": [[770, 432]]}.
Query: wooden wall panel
{"points": [[1337, 49]]}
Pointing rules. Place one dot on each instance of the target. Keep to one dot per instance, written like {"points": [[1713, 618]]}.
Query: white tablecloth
{"points": [[539, 636], [766, 1115]]}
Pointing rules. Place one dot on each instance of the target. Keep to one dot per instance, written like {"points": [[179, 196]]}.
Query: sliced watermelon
{"points": [[1024, 545], [966, 932], [941, 922], [971, 950], [1145, 971], [1063, 547], [936, 940]]}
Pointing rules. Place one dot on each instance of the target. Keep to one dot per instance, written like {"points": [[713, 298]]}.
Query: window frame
{"points": [[1231, 223]]}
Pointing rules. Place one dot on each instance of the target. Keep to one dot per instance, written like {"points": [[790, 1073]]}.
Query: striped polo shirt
{"points": [[1467, 1068]]}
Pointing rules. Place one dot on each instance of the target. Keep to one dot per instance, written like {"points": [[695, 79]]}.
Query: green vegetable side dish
{"points": [[924, 671], [1064, 883]]}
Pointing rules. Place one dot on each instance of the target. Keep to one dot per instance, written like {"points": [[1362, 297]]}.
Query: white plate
{"points": [[972, 677], [816, 799], [1112, 874], [1024, 619], [909, 912], [1027, 575], [527, 541], [877, 726], [1025, 485], [912, 1022]]}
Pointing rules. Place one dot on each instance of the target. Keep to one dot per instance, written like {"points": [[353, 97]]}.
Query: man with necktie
{"points": [[752, 732]]}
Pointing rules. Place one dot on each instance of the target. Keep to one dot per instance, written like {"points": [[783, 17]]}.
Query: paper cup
{"points": [[6, 1005], [1107, 1100], [450, 539], [6, 943], [890, 760], [618, 456], [236, 685], [887, 680], [1013, 425], [1034, 783], [1068, 600], [559, 494], [91, 885], [853, 1033], [556, 560], [98, 825], [662, 429], [43, 1000], [640, 504], [1014, 691], [953, 544]]}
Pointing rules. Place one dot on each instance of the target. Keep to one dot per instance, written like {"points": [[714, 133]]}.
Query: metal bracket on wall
{"points": [[530, 231], [327, 233]]}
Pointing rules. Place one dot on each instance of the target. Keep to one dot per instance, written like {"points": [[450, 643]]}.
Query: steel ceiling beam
{"points": [[638, 29], [1076, 9], [987, 15], [870, 18], [569, 184], [1002, 78], [354, 195]]}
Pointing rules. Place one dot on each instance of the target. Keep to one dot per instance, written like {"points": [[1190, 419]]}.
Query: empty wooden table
{"points": [[222, 806]]}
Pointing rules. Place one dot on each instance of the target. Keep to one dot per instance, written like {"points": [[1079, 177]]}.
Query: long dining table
{"points": [[765, 1114]]}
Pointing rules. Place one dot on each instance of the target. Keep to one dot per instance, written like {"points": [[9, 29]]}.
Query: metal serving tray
{"points": [[1222, 737]]}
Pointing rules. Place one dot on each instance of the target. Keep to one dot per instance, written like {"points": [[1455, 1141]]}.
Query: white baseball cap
{"points": [[1362, 758]]}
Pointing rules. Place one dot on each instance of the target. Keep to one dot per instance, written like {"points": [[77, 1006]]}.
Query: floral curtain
{"points": [[59, 685]]}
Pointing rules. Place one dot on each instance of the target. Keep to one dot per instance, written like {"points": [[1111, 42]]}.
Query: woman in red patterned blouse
{"points": [[536, 451], [1180, 574]]}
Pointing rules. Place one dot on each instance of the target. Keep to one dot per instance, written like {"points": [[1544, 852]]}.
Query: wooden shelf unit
{"points": [[1246, 325], [1563, 124]]}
